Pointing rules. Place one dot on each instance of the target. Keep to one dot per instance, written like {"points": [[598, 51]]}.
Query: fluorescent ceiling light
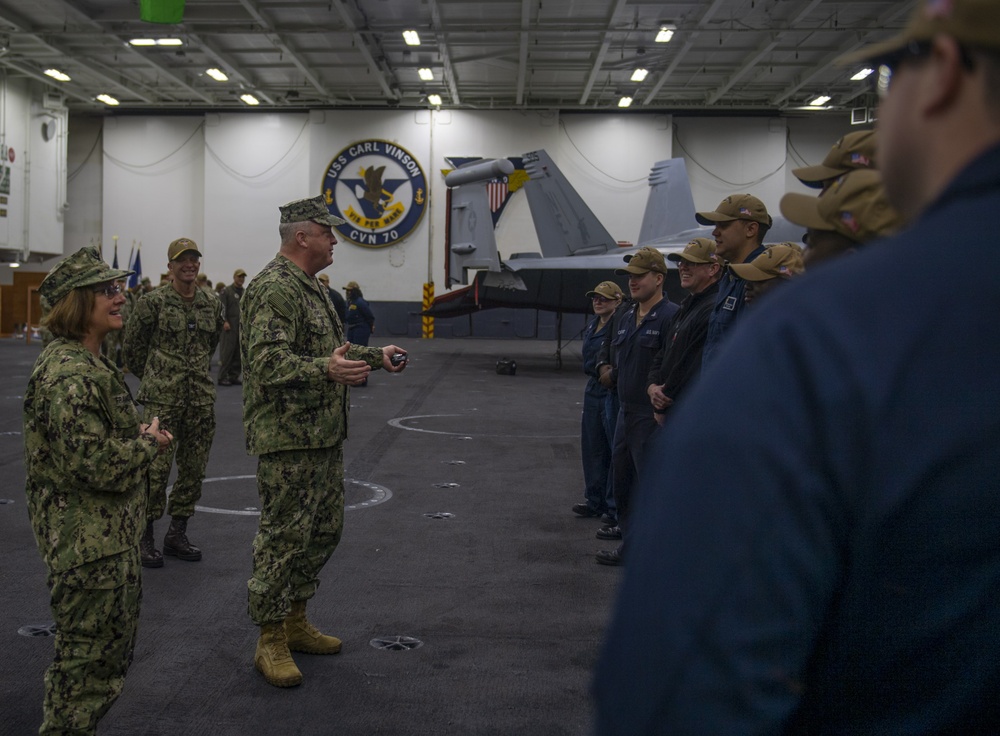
{"points": [[411, 37], [250, 99], [863, 74], [217, 74], [434, 100], [639, 74], [665, 34], [56, 74], [156, 42], [15, 264], [426, 74], [624, 102], [107, 99], [819, 101]]}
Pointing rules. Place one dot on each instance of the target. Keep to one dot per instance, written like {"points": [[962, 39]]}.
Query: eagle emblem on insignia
{"points": [[379, 189]]}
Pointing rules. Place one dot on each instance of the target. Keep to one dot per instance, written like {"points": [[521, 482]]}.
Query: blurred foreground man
{"points": [[295, 401], [830, 564]]}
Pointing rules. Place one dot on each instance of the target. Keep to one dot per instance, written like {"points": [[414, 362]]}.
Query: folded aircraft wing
{"points": [[577, 251]]}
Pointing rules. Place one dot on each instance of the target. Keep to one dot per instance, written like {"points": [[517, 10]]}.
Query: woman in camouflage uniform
{"points": [[86, 460]]}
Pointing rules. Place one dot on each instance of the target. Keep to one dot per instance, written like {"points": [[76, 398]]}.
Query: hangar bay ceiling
{"points": [[723, 55]]}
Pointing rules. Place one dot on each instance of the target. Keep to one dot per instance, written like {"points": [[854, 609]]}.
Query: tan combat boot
{"points": [[304, 637], [272, 658]]}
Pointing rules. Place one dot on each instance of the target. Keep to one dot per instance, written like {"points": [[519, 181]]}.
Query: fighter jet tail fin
{"points": [[471, 239], [564, 224], [670, 204]]}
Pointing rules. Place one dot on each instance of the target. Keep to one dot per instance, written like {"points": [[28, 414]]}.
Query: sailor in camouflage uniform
{"points": [[170, 338], [295, 401], [86, 459], [230, 369]]}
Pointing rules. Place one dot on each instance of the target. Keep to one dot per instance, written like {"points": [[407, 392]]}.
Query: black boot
{"points": [[148, 553], [176, 542]]}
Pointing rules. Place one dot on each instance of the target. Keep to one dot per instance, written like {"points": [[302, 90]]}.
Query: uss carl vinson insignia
{"points": [[379, 189]]}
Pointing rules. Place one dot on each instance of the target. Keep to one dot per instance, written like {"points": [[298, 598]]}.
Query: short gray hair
{"points": [[287, 230]]}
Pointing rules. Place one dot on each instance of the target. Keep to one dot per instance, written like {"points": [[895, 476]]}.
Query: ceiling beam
{"points": [[442, 42], [57, 86], [864, 88], [225, 60], [692, 36], [146, 59], [595, 68], [279, 43], [167, 72], [887, 19], [361, 43], [22, 25], [522, 54], [763, 50], [748, 63]]}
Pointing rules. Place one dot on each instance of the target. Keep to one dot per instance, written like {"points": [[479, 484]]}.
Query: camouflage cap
{"points": [[777, 261], [324, 278], [83, 268], [736, 207], [643, 261], [314, 209], [854, 206], [974, 23], [699, 250], [607, 289], [239, 272], [352, 285], [854, 151], [181, 246]]}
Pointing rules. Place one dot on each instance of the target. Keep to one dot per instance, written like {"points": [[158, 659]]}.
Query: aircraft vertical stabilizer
{"points": [[471, 240], [564, 224], [670, 204]]}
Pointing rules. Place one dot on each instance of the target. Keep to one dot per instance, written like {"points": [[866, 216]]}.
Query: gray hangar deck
{"points": [[503, 595]]}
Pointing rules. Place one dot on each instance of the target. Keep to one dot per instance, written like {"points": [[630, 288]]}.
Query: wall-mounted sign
{"points": [[379, 189]]}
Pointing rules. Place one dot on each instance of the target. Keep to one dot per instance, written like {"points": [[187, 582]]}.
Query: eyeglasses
{"points": [[110, 290], [913, 50]]}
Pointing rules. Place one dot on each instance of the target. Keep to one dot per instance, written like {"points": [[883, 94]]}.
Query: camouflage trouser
{"points": [[96, 611], [301, 519], [229, 356], [193, 428]]}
